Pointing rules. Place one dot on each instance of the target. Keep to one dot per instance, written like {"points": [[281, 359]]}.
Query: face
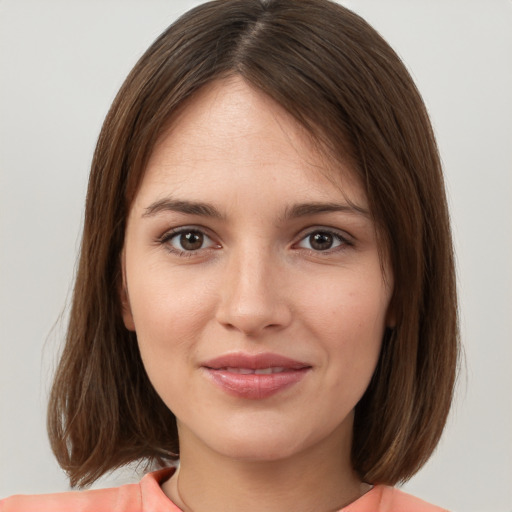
{"points": [[252, 279]]}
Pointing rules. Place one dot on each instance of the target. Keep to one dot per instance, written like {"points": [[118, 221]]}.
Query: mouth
{"points": [[249, 371], [255, 377]]}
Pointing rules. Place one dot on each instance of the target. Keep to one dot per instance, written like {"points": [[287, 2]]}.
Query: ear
{"points": [[125, 298]]}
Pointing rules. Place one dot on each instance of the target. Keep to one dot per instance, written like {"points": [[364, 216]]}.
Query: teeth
{"points": [[263, 371], [243, 371], [259, 371]]}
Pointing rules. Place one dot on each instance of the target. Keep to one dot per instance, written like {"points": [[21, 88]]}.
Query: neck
{"points": [[319, 479]]}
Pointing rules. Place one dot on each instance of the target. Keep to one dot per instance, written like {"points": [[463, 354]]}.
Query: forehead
{"points": [[233, 135]]}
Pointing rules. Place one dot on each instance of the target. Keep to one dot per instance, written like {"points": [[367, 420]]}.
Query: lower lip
{"points": [[255, 386]]}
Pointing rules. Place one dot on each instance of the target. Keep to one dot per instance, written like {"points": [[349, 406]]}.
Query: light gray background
{"points": [[61, 63]]}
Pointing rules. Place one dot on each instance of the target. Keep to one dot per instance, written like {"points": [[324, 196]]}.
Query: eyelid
{"points": [[169, 234], [345, 238]]}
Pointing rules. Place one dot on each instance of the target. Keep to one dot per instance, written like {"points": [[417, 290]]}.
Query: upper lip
{"points": [[254, 361]]}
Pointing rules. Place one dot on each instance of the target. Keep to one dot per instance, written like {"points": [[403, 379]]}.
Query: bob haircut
{"points": [[341, 81]]}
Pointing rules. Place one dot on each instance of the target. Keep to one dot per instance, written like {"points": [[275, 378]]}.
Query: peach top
{"points": [[147, 496]]}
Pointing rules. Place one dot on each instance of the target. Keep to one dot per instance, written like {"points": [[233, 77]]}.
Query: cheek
{"points": [[349, 321], [351, 304], [169, 313], [169, 325]]}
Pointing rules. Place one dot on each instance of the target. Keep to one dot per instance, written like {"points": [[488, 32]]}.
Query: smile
{"points": [[259, 371], [254, 377]]}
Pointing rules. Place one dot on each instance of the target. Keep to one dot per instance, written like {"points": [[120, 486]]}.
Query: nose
{"points": [[253, 296]]}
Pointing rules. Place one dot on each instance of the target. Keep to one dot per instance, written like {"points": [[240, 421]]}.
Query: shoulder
{"points": [[383, 498], [125, 498], [146, 496]]}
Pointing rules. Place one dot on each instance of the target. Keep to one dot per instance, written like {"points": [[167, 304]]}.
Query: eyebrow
{"points": [[305, 209], [291, 212], [182, 206]]}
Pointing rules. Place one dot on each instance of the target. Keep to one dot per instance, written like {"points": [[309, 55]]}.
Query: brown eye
{"points": [[321, 241], [189, 240]]}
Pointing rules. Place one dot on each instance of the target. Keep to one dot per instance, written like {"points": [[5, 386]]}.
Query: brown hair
{"points": [[330, 70]]}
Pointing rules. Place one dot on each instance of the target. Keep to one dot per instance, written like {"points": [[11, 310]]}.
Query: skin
{"points": [[257, 281]]}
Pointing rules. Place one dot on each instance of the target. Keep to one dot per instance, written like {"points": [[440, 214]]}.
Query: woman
{"points": [[266, 287]]}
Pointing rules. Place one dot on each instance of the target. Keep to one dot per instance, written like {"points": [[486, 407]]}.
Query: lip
{"points": [[254, 377]]}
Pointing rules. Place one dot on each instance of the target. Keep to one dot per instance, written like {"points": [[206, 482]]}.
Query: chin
{"points": [[266, 443]]}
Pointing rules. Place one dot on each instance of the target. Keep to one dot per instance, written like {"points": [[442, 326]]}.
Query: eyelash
{"points": [[166, 238], [343, 240]]}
